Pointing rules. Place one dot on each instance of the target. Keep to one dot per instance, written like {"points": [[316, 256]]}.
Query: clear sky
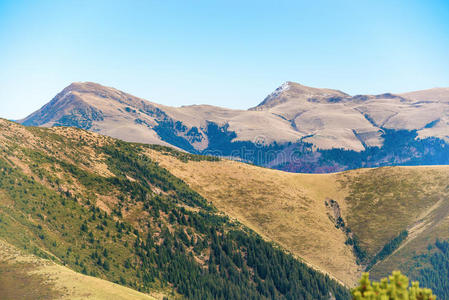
{"points": [[226, 53]]}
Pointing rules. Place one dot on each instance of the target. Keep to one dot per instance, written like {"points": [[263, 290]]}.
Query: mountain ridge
{"points": [[308, 119], [437, 93], [305, 91]]}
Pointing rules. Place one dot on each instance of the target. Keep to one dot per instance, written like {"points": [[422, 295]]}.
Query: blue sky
{"points": [[226, 53]]}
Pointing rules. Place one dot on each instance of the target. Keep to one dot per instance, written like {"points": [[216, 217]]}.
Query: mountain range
{"points": [[295, 128], [75, 205], [171, 202]]}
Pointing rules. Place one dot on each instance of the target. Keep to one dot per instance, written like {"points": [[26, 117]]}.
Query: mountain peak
{"points": [[440, 94], [74, 101], [292, 91], [88, 87]]}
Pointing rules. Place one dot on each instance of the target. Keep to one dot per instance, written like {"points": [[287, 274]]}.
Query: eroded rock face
{"points": [[293, 119]]}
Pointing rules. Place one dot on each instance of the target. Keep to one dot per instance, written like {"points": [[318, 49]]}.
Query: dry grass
{"points": [[28, 277], [326, 124], [290, 210], [384, 201], [286, 208], [430, 224]]}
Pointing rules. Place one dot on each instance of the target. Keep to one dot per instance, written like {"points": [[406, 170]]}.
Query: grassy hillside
{"points": [[431, 223], [105, 208], [24, 276], [404, 198], [284, 207], [340, 223]]}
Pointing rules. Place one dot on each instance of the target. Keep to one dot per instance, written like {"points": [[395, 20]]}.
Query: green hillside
{"points": [[104, 208], [27, 277]]}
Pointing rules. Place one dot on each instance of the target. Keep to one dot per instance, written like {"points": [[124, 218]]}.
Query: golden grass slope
{"points": [[430, 224], [384, 201], [25, 276], [290, 209], [286, 208]]}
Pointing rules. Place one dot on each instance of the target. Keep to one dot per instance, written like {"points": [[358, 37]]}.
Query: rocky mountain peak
{"points": [[294, 92]]}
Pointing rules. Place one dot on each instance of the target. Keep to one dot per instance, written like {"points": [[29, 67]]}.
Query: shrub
{"points": [[396, 287]]}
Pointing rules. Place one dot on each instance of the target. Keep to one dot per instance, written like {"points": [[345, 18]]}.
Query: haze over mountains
{"points": [[295, 128]]}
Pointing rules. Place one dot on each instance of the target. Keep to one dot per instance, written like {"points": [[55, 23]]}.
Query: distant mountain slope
{"points": [[333, 119], [337, 222], [435, 94], [293, 129], [100, 109], [105, 208]]}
